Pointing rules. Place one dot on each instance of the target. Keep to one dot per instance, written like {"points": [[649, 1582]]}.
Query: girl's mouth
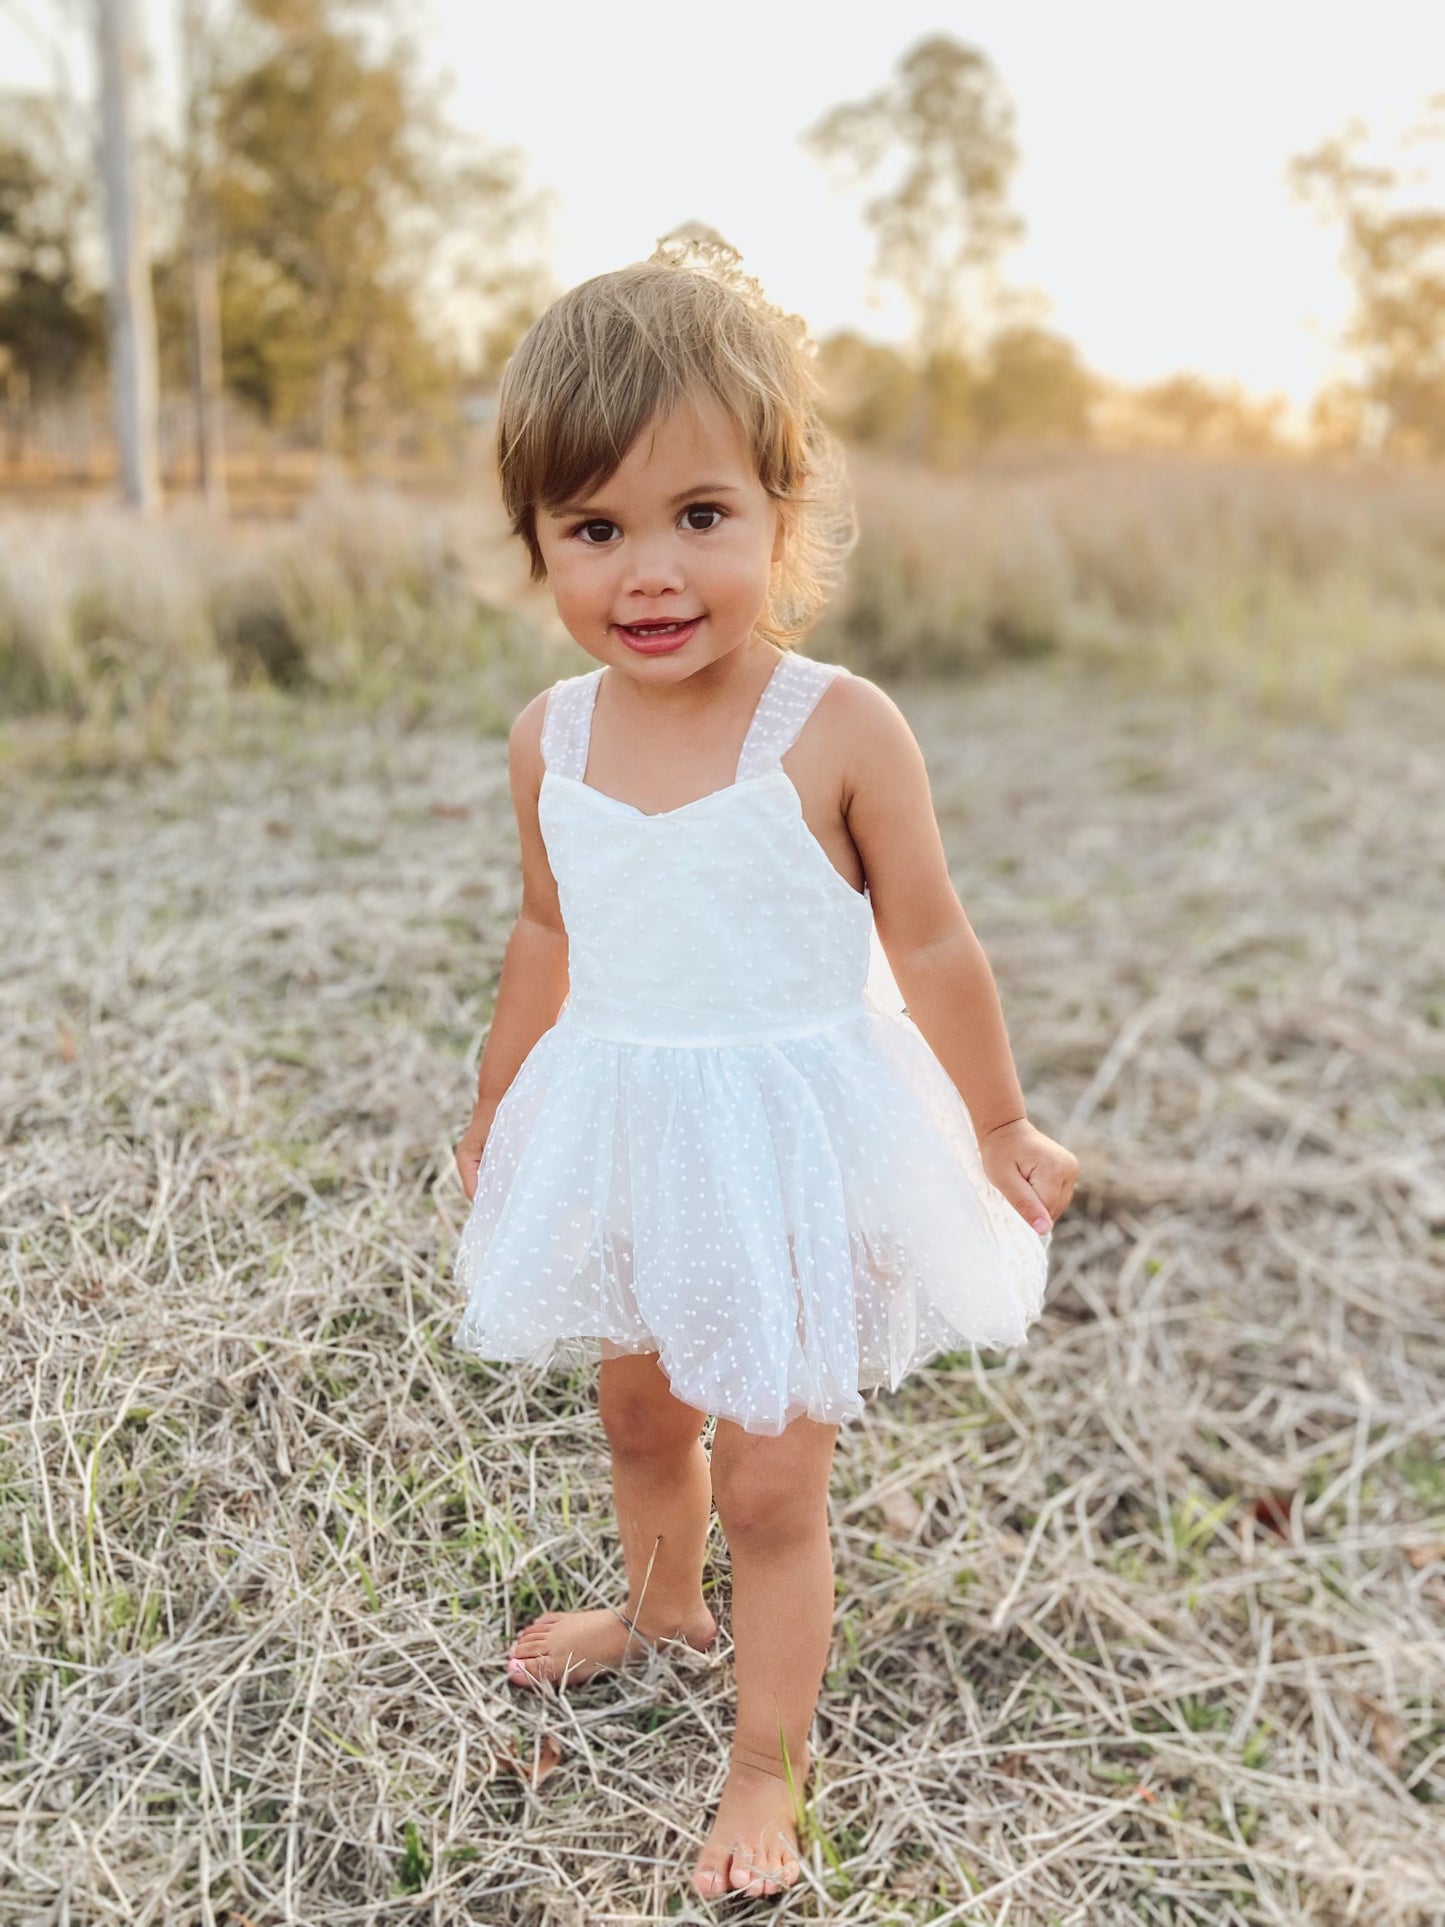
{"points": [[657, 638]]}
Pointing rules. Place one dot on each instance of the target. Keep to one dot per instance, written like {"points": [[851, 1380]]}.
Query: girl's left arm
{"points": [[936, 958]]}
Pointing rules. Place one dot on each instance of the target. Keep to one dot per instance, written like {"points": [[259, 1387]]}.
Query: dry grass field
{"points": [[1144, 1624]]}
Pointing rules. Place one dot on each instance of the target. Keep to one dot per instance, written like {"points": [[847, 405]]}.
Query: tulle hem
{"points": [[572, 1351], [787, 1224]]}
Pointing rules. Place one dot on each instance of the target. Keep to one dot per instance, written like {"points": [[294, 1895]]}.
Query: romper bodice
{"points": [[718, 922]]}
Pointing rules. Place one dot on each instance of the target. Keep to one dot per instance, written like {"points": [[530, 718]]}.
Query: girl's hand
{"points": [[473, 1143], [1036, 1175]]}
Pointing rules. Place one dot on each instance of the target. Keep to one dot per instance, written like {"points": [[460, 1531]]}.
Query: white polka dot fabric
{"points": [[733, 1148]]}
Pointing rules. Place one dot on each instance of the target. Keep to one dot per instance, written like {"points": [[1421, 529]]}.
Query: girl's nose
{"points": [[656, 568]]}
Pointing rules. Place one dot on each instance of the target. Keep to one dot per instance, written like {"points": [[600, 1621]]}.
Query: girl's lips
{"points": [[657, 642]]}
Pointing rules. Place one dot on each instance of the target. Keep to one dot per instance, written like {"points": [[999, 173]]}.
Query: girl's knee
{"points": [[639, 1414], [768, 1498]]}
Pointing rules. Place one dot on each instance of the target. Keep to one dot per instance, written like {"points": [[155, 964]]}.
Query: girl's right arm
{"points": [[533, 983]]}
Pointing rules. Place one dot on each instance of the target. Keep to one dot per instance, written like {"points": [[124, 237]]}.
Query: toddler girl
{"points": [[709, 1145]]}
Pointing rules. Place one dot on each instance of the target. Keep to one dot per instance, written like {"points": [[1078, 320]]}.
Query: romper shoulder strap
{"points": [[567, 723], [784, 706]]}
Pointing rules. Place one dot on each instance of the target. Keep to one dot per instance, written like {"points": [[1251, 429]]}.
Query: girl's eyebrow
{"points": [[707, 488], [566, 509]]}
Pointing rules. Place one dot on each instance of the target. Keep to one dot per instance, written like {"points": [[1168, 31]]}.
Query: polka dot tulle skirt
{"points": [[733, 1148]]}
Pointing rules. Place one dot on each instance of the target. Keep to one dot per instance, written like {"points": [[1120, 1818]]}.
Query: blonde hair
{"points": [[622, 349]]}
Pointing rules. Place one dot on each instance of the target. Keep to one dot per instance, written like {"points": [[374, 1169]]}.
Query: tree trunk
{"points": [[134, 383], [202, 263], [17, 412], [206, 370], [330, 419]]}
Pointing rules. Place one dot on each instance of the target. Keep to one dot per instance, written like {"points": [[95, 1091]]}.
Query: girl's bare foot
{"points": [[567, 1648], [753, 1846]]}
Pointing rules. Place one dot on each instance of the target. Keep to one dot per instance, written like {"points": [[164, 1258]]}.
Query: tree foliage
{"points": [[1395, 257], [1034, 386], [940, 133], [1028, 384], [51, 321], [355, 227], [1186, 411]]}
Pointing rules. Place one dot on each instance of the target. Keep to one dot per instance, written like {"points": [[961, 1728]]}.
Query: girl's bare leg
{"points": [[663, 1499], [772, 1500]]}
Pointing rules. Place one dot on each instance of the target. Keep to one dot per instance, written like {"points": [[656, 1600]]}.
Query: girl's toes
{"points": [[710, 1875], [745, 1876]]}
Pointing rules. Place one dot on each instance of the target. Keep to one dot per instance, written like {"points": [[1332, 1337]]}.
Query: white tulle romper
{"points": [[733, 1148]]}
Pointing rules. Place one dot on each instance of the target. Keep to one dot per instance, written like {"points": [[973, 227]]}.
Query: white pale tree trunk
{"points": [[204, 275], [133, 377]]}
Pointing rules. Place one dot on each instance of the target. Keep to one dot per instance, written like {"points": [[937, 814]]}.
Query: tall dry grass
{"points": [[112, 623], [1278, 582]]}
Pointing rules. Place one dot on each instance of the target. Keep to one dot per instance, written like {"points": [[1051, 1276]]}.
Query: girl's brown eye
{"points": [[701, 508], [596, 532]]}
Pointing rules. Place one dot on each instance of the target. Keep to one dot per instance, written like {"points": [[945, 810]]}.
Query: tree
{"points": [[943, 130], [1395, 257], [133, 375], [1185, 411], [51, 325], [353, 223], [868, 389], [1029, 384], [1033, 386], [202, 261]]}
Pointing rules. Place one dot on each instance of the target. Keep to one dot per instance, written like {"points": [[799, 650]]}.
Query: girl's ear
{"points": [[787, 511], [780, 534]]}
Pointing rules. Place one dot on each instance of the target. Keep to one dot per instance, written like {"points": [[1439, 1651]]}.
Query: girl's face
{"points": [[669, 561]]}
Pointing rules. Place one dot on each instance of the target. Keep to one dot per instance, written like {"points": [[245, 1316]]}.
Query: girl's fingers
{"points": [[1058, 1189], [1027, 1202], [1041, 1194]]}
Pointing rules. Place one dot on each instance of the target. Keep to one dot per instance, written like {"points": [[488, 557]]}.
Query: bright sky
{"points": [[1154, 141]]}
